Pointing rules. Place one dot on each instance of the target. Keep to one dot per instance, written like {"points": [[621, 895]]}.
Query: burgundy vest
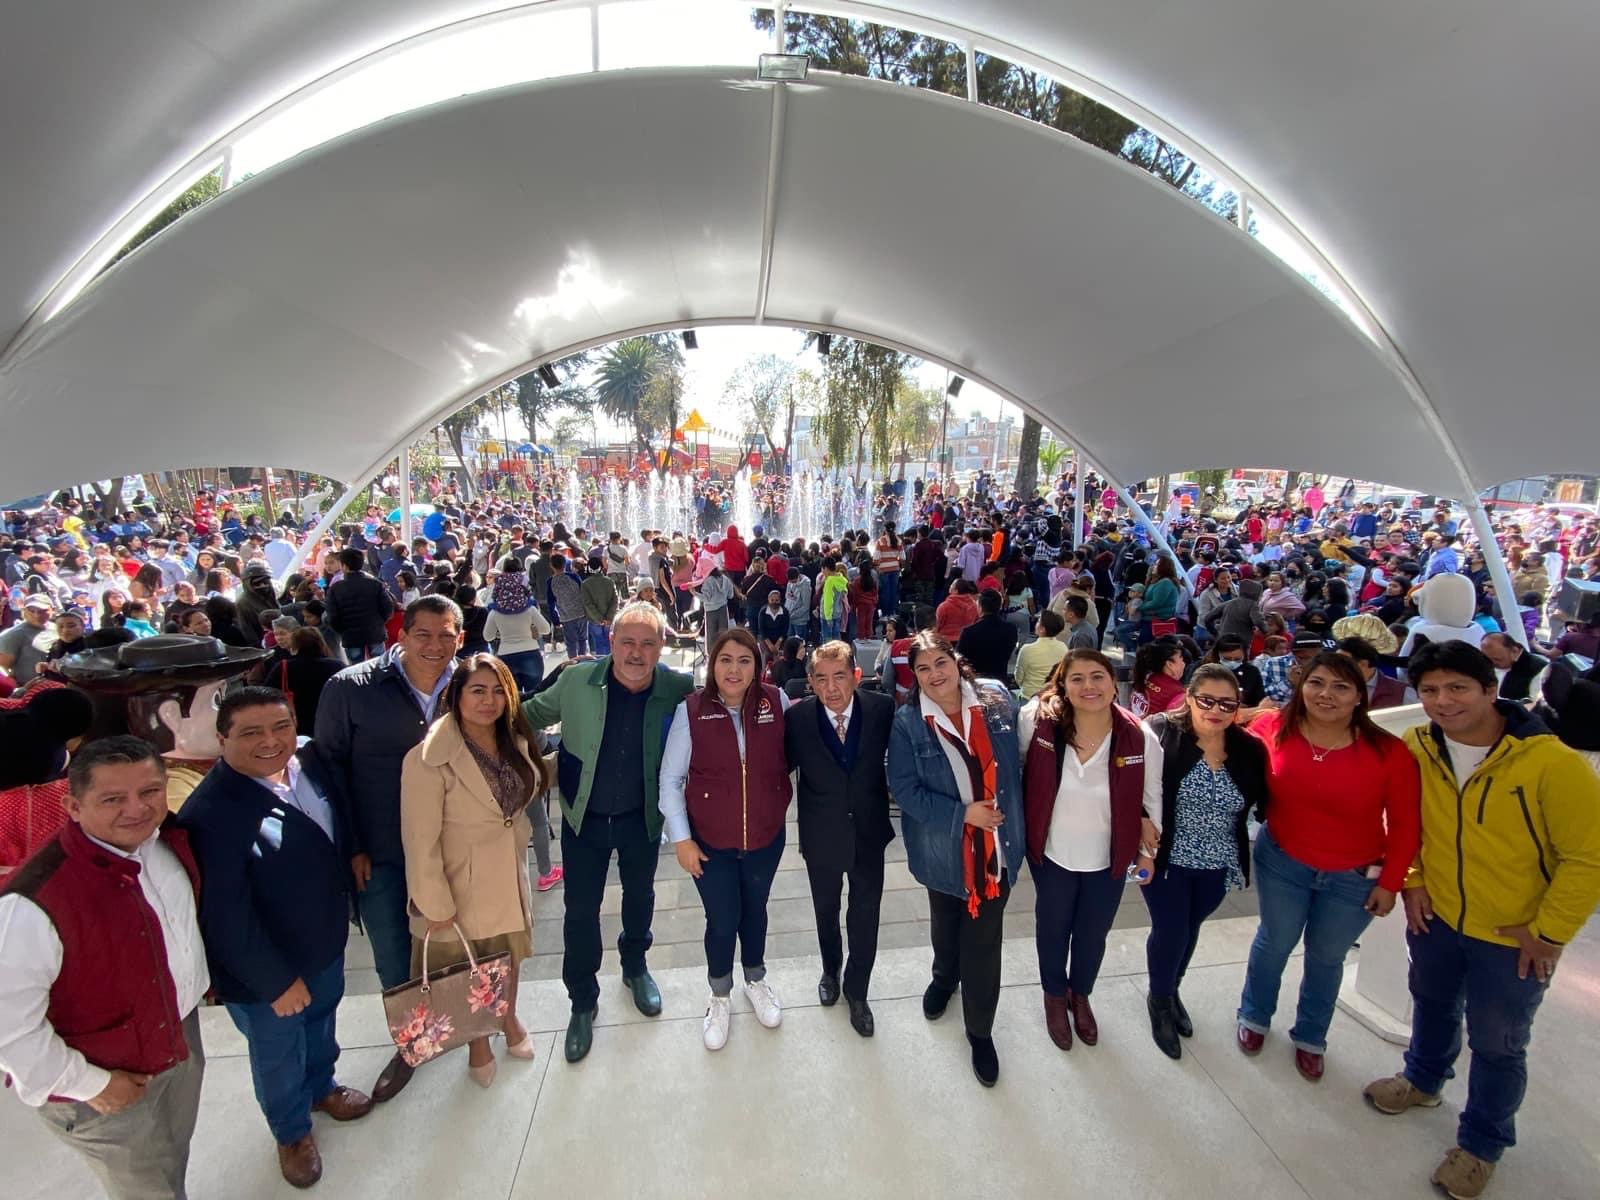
{"points": [[1041, 777], [734, 804], [114, 1001]]}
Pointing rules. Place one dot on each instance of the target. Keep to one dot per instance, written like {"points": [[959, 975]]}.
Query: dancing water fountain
{"points": [[574, 496], [744, 507], [632, 513], [613, 508]]}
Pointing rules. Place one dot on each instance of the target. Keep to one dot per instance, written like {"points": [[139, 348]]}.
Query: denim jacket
{"points": [[933, 814]]}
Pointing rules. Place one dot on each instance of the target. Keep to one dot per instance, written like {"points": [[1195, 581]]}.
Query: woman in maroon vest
{"points": [[1091, 786], [724, 794]]}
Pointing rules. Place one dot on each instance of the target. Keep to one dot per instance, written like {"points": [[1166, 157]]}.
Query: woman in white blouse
{"points": [[1091, 783]]}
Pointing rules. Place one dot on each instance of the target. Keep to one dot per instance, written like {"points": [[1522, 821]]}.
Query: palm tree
{"points": [[622, 383]]}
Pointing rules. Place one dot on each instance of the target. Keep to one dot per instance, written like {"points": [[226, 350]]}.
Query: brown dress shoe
{"points": [[1056, 1021], [1083, 1018], [300, 1163], [392, 1080], [344, 1104]]}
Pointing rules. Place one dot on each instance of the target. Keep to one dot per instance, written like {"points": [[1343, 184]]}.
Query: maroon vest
{"points": [[734, 804], [1041, 777], [114, 1001]]}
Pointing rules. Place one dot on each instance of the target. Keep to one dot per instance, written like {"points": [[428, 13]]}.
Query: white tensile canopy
{"points": [[317, 314]]}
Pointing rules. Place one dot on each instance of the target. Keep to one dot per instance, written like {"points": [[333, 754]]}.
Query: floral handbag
{"points": [[448, 1008]]}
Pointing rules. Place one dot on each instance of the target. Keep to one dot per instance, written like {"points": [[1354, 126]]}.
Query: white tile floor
{"points": [[810, 1108]]}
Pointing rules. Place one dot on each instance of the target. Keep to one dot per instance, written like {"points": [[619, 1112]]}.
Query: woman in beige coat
{"points": [[464, 796]]}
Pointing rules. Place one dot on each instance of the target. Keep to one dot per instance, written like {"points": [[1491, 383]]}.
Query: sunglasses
{"points": [[1209, 702]]}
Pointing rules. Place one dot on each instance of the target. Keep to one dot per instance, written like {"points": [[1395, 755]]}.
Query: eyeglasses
{"points": [[1209, 702]]}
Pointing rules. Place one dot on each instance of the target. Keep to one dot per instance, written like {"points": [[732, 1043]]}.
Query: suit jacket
{"points": [[841, 814], [275, 901]]}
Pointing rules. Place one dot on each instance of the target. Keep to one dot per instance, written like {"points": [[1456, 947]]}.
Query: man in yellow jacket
{"points": [[1508, 873]]}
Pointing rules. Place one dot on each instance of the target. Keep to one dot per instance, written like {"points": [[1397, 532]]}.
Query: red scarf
{"points": [[977, 845]]}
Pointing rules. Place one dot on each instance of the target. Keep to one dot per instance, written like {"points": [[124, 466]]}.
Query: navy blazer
{"points": [[842, 806], [275, 889]]}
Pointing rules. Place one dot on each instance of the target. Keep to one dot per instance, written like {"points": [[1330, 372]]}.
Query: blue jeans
{"points": [[734, 886], [830, 630], [356, 652], [576, 631], [1452, 974], [1328, 908], [526, 667], [291, 1058], [1072, 913], [888, 592], [599, 638], [383, 915]]}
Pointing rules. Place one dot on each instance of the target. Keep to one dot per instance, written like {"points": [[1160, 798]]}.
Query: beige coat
{"points": [[464, 861]]}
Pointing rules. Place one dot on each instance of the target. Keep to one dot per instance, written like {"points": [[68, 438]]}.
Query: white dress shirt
{"points": [[1080, 824], [298, 792], [40, 1064]]}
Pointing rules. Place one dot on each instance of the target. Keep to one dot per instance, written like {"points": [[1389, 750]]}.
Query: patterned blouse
{"points": [[1209, 804], [509, 791]]}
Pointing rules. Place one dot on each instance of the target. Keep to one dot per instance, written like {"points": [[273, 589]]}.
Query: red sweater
{"points": [[1358, 806]]}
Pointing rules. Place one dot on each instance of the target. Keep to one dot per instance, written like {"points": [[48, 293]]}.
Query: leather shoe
{"points": [[344, 1104], [300, 1163], [580, 1035], [1056, 1022], [1185, 1025], [646, 995], [861, 1018], [392, 1081], [1249, 1041], [934, 1001], [1164, 1025], [828, 990], [1309, 1065], [985, 1062], [1083, 1018]]}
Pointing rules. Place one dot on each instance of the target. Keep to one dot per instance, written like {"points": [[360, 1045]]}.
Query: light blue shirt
{"points": [[425, 700], [297, 791]]}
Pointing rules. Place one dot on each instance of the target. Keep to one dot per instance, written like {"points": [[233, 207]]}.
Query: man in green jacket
{"points": [[599, 607], [614, 716]]}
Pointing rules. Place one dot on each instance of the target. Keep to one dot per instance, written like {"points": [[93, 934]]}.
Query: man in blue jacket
{"points": [[274, 913]]}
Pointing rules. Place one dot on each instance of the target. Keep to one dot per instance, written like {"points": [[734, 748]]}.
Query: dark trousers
{"points": [[383, 915], [1451, 975], [587, 859], [1072, 912], [966, 953], [1179, 900], [861, 921], [734, 886], [291, 1058]]}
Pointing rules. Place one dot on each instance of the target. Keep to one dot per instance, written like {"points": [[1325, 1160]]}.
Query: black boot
{"points": [[1164, 1025], [1185, 1026]]}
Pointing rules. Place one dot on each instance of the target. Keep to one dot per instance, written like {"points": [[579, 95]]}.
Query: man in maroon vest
{"points": [[101, 973]]}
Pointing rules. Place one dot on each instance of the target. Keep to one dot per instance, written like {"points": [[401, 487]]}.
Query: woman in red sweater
{"points": [[1343, 828]]}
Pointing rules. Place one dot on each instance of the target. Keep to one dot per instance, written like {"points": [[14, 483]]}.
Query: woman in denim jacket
{"points": [[953, 769]]}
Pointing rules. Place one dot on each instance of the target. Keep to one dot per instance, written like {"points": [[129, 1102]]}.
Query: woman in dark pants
{"points": [[953, 771], [1213, 775]]}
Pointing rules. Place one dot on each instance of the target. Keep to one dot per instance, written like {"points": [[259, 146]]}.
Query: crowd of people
{"points": [[1045, 687]]}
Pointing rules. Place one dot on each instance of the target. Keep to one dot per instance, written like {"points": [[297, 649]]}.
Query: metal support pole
{"points": [[320, 530], [972, 72], [778, 14], [1077, 497], [405, 496], [1504, 590]]}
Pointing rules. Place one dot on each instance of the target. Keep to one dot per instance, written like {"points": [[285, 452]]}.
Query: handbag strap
{"points": [[465, 945]]}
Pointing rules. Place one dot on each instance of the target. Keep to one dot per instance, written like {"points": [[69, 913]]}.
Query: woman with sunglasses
{"points": [[1344, 826], [1213, 774]]}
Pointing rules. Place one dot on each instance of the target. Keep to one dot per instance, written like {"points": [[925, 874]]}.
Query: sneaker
{"points": [[1463, 1176], [557, 874], [1396, 1094], [718, 1014], [765, 1001]]}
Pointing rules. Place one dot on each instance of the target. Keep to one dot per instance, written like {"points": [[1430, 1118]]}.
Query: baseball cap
{"points": [[37, 601]]}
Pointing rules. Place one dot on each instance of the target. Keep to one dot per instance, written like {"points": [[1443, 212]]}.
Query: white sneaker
{"points": [[718, 1012], [765, 1001]]}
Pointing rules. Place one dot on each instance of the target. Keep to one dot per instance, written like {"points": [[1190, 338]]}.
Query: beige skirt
{"points": [[444, 952]]}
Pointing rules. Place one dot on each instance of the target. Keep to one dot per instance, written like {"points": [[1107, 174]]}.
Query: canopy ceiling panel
{"points": [[360, 290], [1435, 152]]}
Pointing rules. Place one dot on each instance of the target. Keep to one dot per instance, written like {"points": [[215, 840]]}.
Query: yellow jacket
{"points": [[1519, 843]]}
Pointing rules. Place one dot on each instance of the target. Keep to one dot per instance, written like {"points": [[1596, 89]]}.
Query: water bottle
{"points": [[1136, 873]]}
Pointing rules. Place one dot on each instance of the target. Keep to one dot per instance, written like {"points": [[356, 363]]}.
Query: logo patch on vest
{"points": [[711, 715], [764, 713], [1132, 760]]}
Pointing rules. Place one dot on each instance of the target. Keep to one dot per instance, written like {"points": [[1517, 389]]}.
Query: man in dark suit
{"points": [[838, 739], [274, 913]]}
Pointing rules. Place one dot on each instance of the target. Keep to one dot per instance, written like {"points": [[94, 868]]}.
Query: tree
{"points": [[1051, 455], [622, 383], [1028, 457], [202, 190], [763, 388], [914, 425], [569, 431], [537, 403], [663, 399], [460, 423], [858, 396]]}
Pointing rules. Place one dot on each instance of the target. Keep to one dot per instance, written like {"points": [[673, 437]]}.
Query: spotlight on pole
{"points": [[690, 342], [548, 376], [782, 67], [824, 343], [955, 385]]}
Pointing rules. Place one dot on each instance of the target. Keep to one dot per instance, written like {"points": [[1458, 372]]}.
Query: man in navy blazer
{"points": [[275, 913], [838, 739]]}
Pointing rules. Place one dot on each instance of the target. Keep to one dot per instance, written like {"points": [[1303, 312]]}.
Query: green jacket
{"points": [[599, 597], [577, 702]]}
